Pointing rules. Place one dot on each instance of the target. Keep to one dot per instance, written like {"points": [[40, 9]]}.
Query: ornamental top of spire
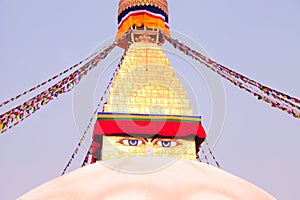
{"points": [[161, 4], [146, 18]]}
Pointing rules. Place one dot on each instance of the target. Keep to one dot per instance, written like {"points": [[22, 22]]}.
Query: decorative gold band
{"points": [[125, 4]]}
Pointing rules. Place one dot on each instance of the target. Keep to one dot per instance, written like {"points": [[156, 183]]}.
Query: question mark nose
{"points": [[149, 150]]}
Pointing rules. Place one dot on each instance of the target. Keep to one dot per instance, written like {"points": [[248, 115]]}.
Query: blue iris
{"points": [[133, 142], [166, 143]]}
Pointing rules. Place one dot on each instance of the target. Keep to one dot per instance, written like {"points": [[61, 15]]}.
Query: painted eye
{"points": [[131, 142], [167, 144]]}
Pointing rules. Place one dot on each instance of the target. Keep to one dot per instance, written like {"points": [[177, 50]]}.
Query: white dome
{"points": [[181, 179]]}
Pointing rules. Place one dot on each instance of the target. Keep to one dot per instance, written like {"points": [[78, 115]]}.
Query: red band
{"points": [[142, 127]]}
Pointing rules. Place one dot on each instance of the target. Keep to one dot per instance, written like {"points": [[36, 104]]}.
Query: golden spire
{"points": [[147, 84], [147, 110]]}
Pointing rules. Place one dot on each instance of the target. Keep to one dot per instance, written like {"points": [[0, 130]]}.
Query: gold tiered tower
{"points": [[147, 111], [147, 84]]}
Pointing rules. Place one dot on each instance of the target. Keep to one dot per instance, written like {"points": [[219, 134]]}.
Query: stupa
{"points": [[147, 120], [147, 111]]}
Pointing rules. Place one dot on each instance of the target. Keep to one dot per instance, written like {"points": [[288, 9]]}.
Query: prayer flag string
{"points": [[45, 82], [208, 155], [13, 116], [206, 159], [212, 155], [16, 115], [276, 99], [89, 158], [100, 103]]}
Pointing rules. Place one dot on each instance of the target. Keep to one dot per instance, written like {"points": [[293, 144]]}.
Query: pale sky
{"points": [[259, 39]]}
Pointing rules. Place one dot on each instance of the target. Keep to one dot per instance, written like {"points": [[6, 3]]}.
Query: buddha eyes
{"points": [[167, 144], [139, 142], [134, 142], [131, 142]]}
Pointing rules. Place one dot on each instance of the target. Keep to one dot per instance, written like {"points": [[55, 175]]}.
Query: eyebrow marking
{"points": [[146, 139], [153, 138]]}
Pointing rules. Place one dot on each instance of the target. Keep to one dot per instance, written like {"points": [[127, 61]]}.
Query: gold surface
{"points": [[154, 99], [147, 84], [125, 4], [115, 147]]}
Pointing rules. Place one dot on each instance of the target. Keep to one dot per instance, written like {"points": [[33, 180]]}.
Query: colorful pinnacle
{"points": [[151, 14]]}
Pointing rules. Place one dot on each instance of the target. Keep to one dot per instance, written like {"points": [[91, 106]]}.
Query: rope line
{"points": [[45, 82], [16, 115], [279, 100], [212, 155], [205, 157], [91, 119], [34, 104]]}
